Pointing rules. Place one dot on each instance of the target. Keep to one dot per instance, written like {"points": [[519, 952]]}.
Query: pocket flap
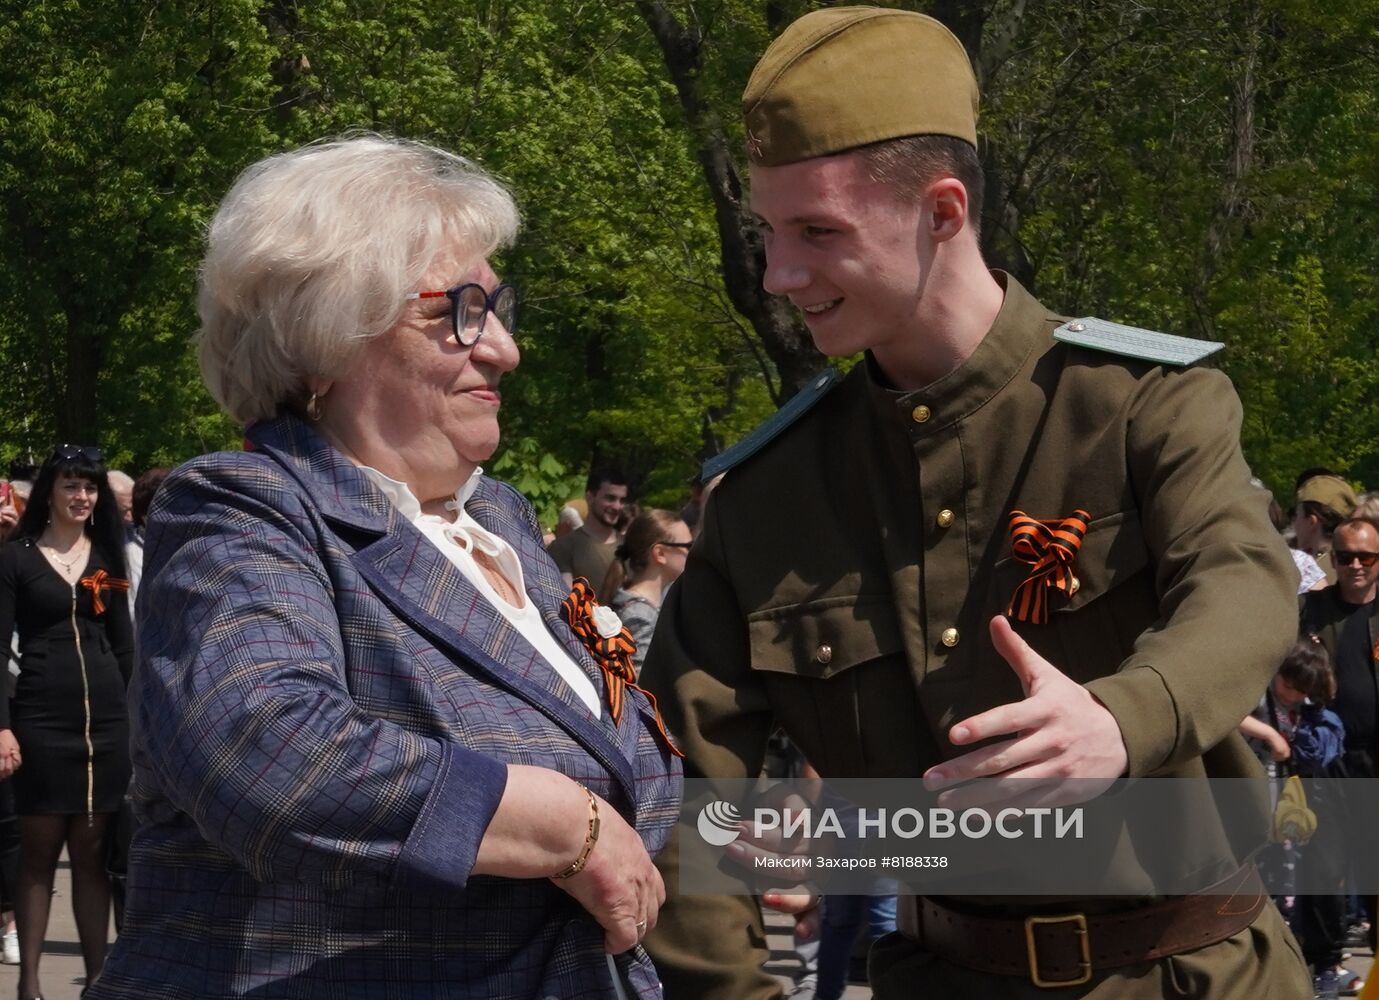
{"points": [[1112, 551], [825, 637]]}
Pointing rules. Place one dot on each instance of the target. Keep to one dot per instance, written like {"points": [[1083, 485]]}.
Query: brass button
{"points": [[921, 413], [945, 518], [824, 654], [949, 637]]}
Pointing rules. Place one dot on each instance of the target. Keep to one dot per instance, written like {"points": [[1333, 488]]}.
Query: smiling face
{"points": [[606, 503], [416, 405], [1351, 544], [72, 501], [846, 250]]}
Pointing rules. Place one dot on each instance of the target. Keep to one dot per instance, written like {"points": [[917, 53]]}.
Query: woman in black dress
{"points": [[65, 734]]}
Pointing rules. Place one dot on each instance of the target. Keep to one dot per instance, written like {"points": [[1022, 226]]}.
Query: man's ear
{"points": [[946, 201]]}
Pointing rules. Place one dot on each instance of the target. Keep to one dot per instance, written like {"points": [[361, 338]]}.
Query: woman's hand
{"points": [[9, 753], [540, 828], [620, 887], [9, 518]]}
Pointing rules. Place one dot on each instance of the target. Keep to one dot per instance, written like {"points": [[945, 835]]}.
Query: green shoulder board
{"points": [[1132, 342], [769, 429]]}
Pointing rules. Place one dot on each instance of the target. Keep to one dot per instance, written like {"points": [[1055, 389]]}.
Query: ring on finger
{"points": [[641, 929]]}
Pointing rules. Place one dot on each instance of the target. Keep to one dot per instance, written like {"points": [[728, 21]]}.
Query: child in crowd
{"points": [[1294, 733], [1291, 724]]}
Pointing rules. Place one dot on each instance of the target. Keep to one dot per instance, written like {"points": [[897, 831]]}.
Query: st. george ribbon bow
{"points": [[1050, 548], [612, 653], [98, 583]]}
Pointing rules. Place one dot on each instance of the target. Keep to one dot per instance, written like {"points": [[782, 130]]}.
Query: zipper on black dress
{"points": [[86, 704]]}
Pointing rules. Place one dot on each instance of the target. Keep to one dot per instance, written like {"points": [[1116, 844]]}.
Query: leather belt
{"points": [[1065, 949]]}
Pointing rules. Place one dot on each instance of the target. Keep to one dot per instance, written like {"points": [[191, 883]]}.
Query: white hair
{"points": [[119, 480], [311, 252]]}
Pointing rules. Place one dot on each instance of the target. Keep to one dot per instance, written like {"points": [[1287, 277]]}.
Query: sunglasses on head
{"points": [[1344, 557], [67, 452]]}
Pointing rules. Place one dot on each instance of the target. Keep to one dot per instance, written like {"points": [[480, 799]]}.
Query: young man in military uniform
{"points": [[855, 569]]}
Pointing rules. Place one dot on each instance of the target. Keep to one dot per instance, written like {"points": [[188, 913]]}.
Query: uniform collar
{"points": [[1021, 326]]}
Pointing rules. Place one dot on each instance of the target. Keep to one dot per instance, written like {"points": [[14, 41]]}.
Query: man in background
{"points": [[588, 550]]}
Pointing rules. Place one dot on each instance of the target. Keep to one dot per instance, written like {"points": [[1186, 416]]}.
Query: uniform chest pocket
{"points": [[840, 685], [1089, 634], [1112, 552], [823, 638]]}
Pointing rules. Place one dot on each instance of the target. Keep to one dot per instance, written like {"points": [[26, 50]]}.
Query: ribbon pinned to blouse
{"points": [[1050, 548], [98, 583], [611, 650]]}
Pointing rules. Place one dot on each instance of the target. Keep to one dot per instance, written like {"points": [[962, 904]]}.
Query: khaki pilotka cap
{"points": [[848, 76], [1329, 491]]}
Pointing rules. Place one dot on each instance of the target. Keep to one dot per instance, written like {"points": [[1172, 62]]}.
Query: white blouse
{"points": [[457, 541]]}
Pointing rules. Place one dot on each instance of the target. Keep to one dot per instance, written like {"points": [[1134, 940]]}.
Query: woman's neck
{"points": [[62, 537], [647, 587], [432, 493]]}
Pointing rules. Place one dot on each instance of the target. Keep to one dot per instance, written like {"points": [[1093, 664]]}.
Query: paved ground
{"points": [[63, 972], [62, 968]]}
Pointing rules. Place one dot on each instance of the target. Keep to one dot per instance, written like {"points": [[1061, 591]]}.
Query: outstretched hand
{"points": [[1059, 731]]}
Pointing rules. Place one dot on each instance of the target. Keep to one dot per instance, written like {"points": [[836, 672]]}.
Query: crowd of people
{"points": [[380, 735], [1318, 717]]}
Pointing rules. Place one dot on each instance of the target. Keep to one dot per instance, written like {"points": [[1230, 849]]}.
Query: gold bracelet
{"points": [[590, 839]]}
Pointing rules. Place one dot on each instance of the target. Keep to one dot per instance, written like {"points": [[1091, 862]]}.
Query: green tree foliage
{"points": [[1205, 169], [120, 124], [121, 131]]}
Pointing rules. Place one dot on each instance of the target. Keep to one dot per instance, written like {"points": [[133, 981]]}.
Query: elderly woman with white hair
{"points": [[378, 750]]}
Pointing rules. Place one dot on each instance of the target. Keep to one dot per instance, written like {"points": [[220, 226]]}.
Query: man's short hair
{"points": [[911, 163], [604, 474], [1355, 524], [119, 480]]}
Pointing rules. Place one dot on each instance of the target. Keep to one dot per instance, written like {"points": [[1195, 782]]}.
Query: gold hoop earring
{"points": [[313, 407]]}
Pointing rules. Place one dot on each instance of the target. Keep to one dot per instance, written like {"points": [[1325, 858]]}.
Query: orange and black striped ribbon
{"points": [[613, 655], [1050, 547], [98, 583]]}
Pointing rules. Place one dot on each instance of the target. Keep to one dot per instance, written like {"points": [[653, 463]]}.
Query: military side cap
{"points": [[844, 77], [1329, 491]]}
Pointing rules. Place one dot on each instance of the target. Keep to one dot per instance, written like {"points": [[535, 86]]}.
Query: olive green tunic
{"points": [[845, 576]]}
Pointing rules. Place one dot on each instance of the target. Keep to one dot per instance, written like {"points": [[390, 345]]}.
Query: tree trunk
{"points": [[75, 418], [1233, 205], [786, 341]]}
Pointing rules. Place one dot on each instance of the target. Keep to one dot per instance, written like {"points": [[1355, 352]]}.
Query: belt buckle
{"points": [[1032, 950]]}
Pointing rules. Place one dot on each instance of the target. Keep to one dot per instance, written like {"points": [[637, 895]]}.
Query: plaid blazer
{"points": [[322, 709]]}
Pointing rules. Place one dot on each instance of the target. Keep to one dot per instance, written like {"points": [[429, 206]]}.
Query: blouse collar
{"points": [[402, 497]]}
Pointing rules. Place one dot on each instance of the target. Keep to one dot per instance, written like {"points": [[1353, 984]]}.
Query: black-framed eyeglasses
{"points": [[675, 545], [1344, 557], [68, 452], [470, 306]]}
